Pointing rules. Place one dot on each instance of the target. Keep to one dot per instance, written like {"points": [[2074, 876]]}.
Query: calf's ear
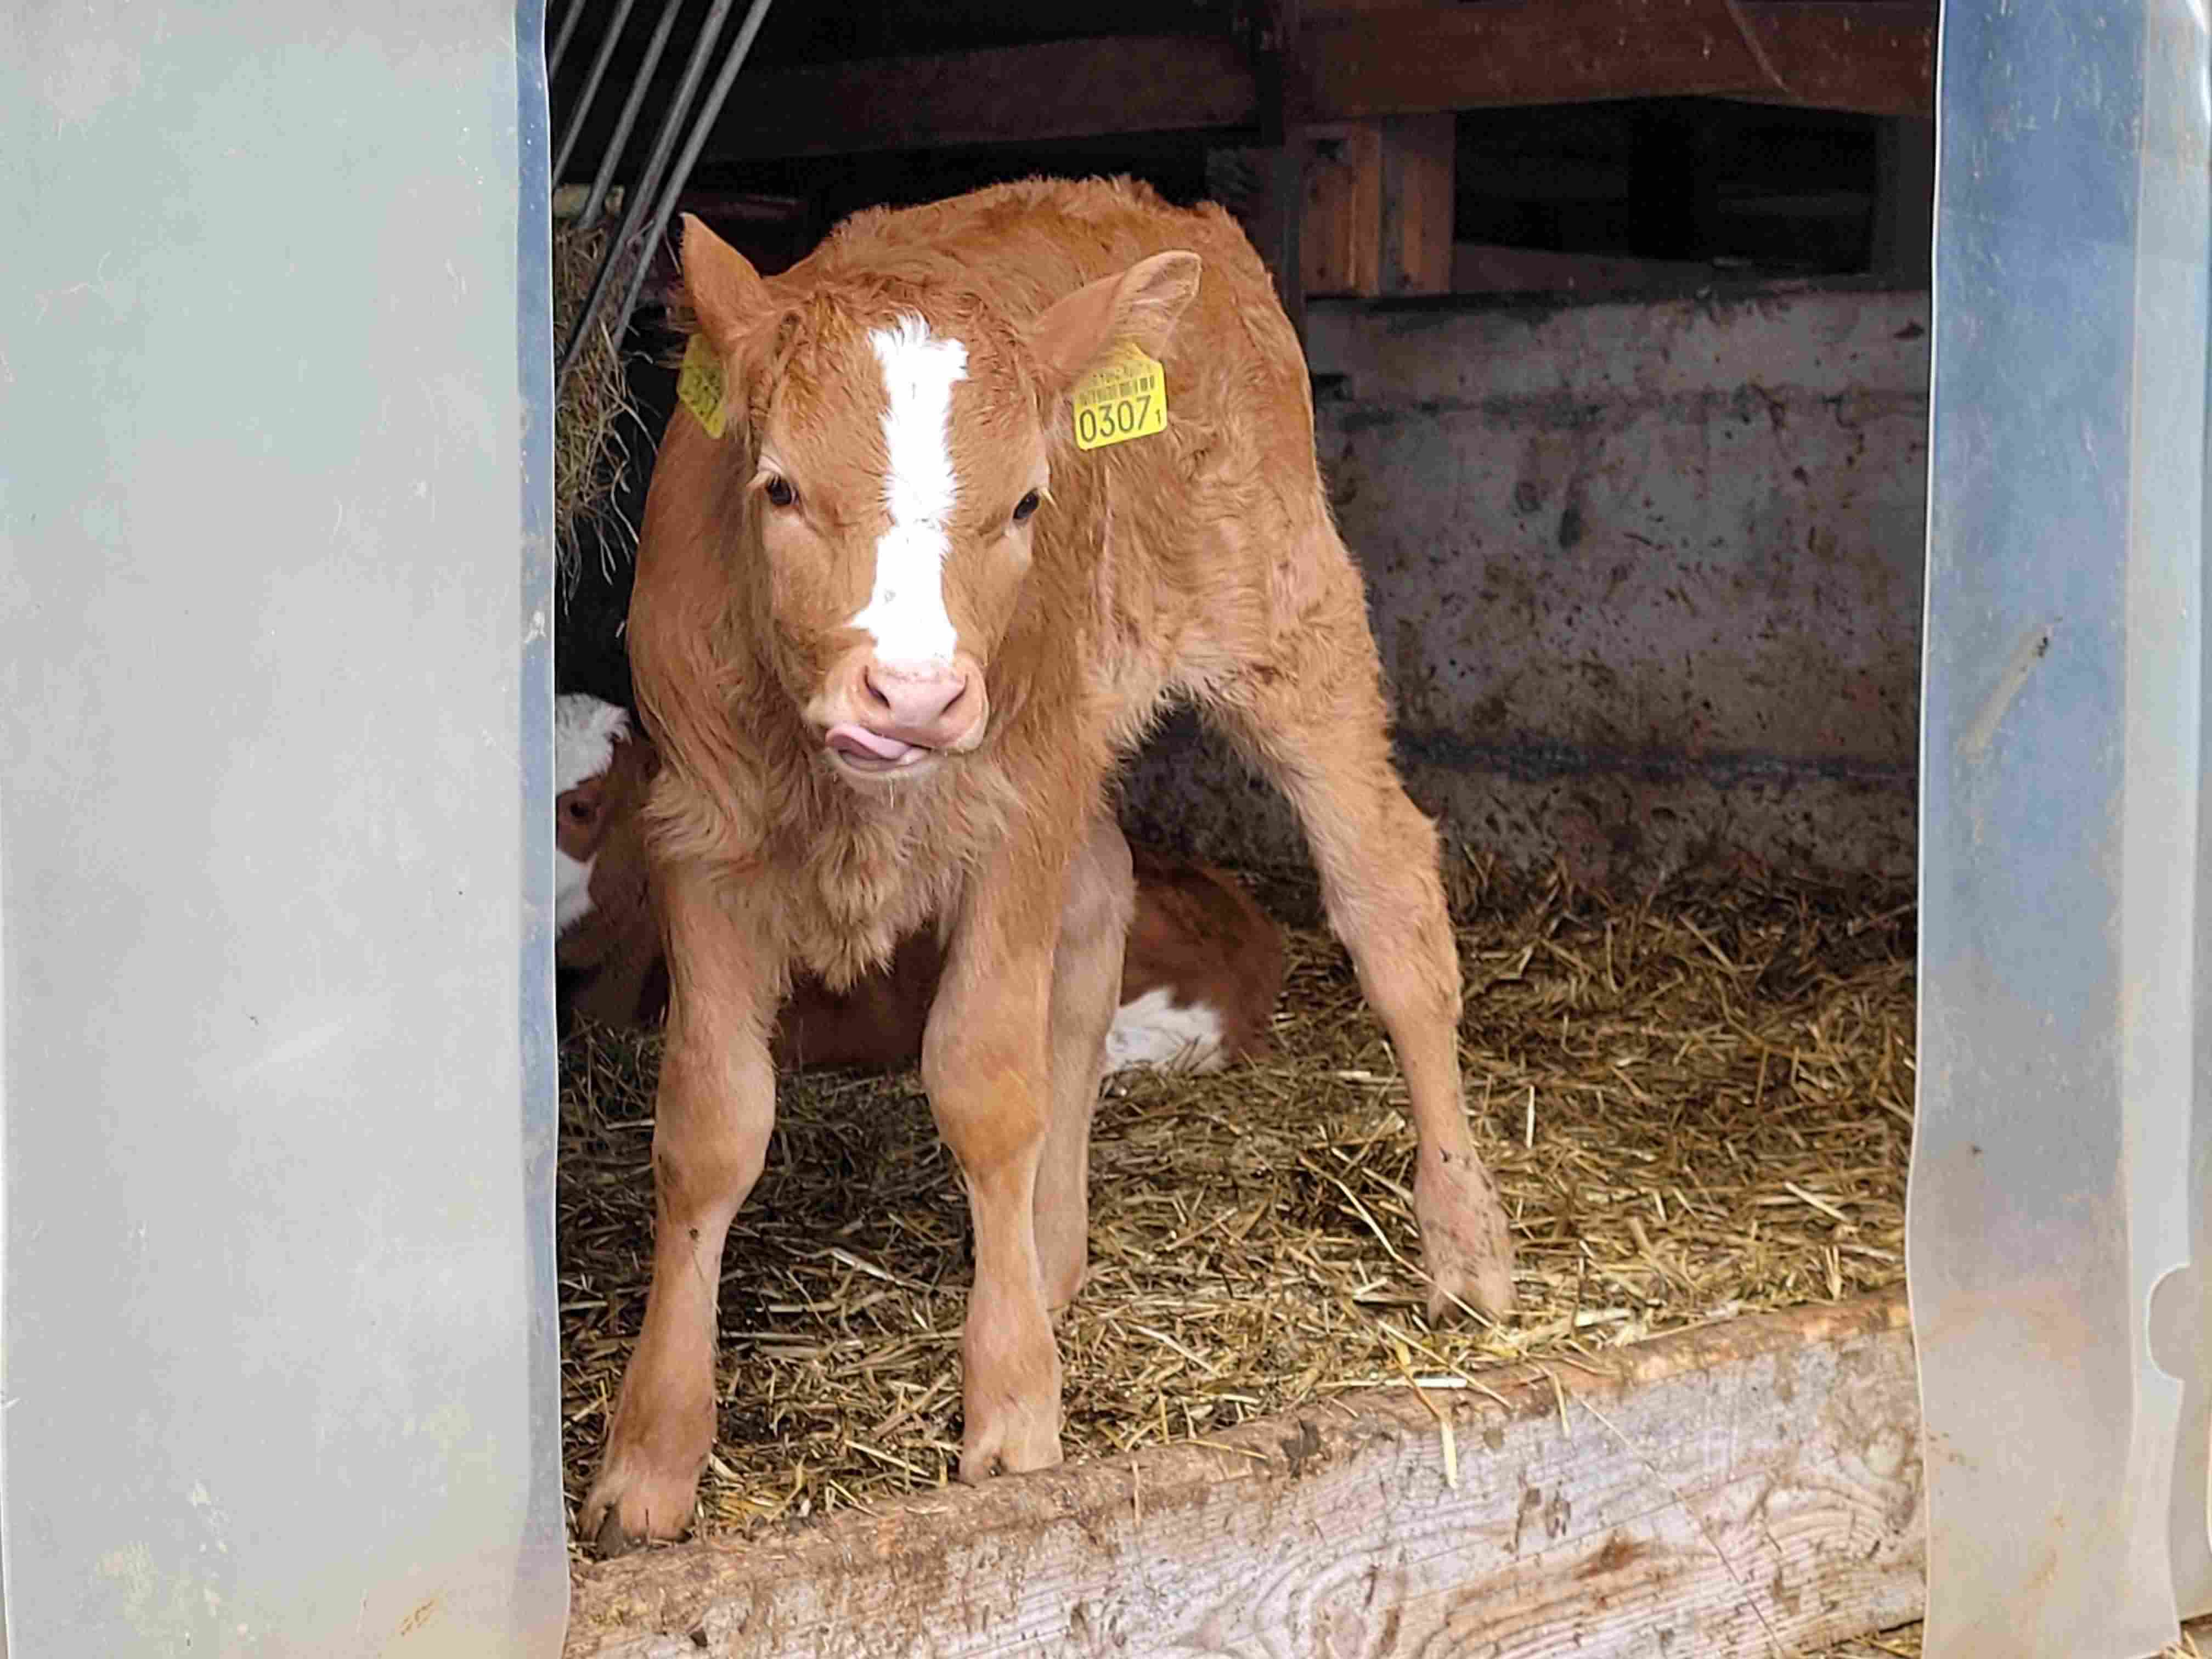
{"points": [[725, 293], [1141, 305]]}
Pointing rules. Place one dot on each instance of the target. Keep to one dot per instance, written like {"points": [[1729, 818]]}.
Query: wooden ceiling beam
{"points": [[1876, 56], [1873, 56], [1002, 94]]}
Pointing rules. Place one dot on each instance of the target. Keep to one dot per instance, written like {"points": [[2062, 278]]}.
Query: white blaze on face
{"points": [[905, 612]]}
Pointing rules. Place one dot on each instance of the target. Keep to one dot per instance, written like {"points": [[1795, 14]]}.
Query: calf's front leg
{"points": [[984, 1061], [715, 1107]]}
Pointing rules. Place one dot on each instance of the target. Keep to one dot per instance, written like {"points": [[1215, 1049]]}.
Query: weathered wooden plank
{"points": [[1377, 218], [1419, 153], [1731, 1490], [1340, 238], [1875, 56], [1055, 89]]}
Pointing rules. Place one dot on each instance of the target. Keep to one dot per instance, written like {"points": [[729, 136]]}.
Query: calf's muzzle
{"points": [[885, 717]]}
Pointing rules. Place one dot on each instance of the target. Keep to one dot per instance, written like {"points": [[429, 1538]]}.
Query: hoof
{"points": [[629, 1507], [1488, 1289], [612, 1541], [1016, 1443], [1465, 1244]]}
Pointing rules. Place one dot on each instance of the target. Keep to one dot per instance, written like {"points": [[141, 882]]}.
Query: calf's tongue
{"points": [[858, 740]]}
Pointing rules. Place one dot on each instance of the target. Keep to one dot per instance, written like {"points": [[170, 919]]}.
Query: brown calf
{"points": [[1199, 978], [893, 629]]}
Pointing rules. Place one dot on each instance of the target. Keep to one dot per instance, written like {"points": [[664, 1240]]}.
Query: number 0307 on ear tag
{"points": [[699, 384], [1125, 396]]}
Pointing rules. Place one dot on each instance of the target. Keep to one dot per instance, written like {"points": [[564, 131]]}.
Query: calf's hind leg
{"points": [[1315, 723]]}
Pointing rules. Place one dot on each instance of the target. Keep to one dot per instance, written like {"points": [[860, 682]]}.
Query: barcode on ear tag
{"points": [[1125, 396], [699, 384]]}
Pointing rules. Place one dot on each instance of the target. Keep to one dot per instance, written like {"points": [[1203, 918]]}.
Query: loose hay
{"points": [[1696, 1104], [589, 454], [1903, 1643]]}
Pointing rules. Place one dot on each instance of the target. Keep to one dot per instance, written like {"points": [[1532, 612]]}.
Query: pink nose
{"points": [[913, 705]]}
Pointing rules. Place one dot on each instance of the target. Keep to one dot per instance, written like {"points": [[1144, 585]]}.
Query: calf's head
{"points": [[601, 772], [893, 434]]}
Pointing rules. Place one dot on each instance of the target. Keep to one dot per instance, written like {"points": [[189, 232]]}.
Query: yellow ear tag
{"points": [[699, 384], [1125, 396]]}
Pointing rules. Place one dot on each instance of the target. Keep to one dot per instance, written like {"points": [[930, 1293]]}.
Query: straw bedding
{"points": [[1905, 1643], [1697, 1102], [589, 455]]}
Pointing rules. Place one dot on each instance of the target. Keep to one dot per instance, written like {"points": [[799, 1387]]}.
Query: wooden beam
{"points": [[1743, 1489], [1873, 56], [1876, 56], [1007, 94], [1272, 47], [1340, 236], [1420, 153], [1377, 211]]}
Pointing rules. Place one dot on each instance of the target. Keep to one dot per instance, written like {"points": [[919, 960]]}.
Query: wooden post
{"points": [[1418, 178], [1340, 240], [1264, 185], [1378, 206]]}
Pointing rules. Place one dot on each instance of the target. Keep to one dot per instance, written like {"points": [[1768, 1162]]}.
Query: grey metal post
{"points": [[276, 1322], [2063, 910]]}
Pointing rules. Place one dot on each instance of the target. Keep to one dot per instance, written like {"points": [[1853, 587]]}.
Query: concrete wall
{"points": [[1646, 578]]}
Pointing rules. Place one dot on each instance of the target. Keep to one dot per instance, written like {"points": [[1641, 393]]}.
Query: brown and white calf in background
{"points": [[892, 632], [1199, 978], [608, 951]]}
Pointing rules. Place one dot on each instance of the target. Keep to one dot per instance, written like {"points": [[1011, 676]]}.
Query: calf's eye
{"points": [[780, 492], [1023, 508]]}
